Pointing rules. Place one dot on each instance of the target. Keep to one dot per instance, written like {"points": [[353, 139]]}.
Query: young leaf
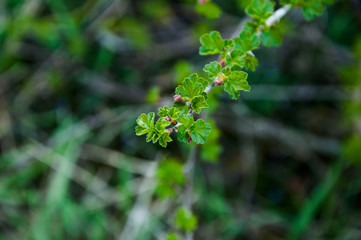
{"points": [[260, 9], [145, 123], [251, 62], [164, 139], [212, 43], [236, 58], [171, 171], [273, 37], [190, 87], [209, 10], [200, 131], [198, 103], [247, 42], [213, 69], [236, 81], [184, 130], [181, 107], [173, 112], [196, 79], [185, 220]]}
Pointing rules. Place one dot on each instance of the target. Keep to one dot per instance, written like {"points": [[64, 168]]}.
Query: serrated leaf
{"points": [[173, 112], [213, 69], [260, 9], [236, 81], [209, 10], [164, 139], [185, 220], [190, 87], [196, 79], [145, 123], [200, 131], [181, 107], [273, 37], [198, 103], [236, 58], [212, 43], [184, 129], [247, 42], [251, 62]]}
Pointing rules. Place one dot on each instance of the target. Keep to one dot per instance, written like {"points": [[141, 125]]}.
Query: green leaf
{"points": [[196, 79], [247, 42], [153, 95], [145, 123], [184, 130], [236, 58], [173, 112], [171, 171], [185, 220], [213, 69], [313, 9], [211, 150], [172, 236], [228, 43], [260, 9], [164, 139], [273, 37], [191, 87], [200, 131], [209, 10], [234, 82], [251, 62], [181, 107], [198, 103], [212, 43]]}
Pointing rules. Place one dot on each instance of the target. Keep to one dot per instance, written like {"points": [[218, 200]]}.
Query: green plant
{"points": [[235, 55]]}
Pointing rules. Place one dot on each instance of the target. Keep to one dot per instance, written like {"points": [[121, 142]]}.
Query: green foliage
{"points": [[213, 69], [191, 87], [247, 42], [198, 103], [236, 58], [209, 10], [153, 95], [173, 112], [260, 9], [273, 37], [171, 236], [212, 43], [251, 62], [185, 220], [235, 81], [200, 131]]}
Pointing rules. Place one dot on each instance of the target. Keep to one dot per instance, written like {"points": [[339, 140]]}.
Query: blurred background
{"points": [[283, 162]]}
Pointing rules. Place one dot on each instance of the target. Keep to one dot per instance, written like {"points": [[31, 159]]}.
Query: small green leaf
{"points": [[213, 69], [170, 170], [260, 9], [200, 131], [212, 43], [173, 112], [247, 42], [251, 62], [209, 10], [184, 129], [191, 87], [164, 139], [236, 58], [185, 220], [198, 103], [234, 82], [273, 37], [172, 236], [145, 123], [181, 107]]}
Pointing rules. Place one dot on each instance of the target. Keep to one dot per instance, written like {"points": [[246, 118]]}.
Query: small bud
{"points": [[178, 98], [222, 62], [218, 82], [190, 141], [174, 122], [168, 119]]}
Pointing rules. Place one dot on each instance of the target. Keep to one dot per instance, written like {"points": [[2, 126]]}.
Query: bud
{"points": [[178, 98], [168, 119], [222, 62], [173, 121], [218, 81], [190, 141]]}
